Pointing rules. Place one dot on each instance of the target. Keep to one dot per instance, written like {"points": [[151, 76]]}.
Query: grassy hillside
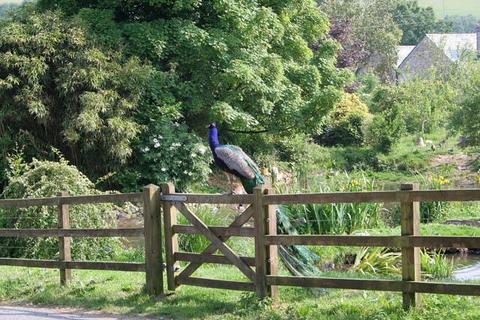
{"points": [[453, 7]]}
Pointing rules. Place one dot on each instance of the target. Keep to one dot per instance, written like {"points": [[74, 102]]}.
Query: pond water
{"points": [[467, 267]]}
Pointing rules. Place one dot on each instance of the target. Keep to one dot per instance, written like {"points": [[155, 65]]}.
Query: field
{"points": [[453, 7]]}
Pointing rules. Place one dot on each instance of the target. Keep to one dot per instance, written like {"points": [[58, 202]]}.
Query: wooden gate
{"points": [[265, 260]]}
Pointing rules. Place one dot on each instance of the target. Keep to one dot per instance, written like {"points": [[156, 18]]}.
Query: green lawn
{"points": [[453, 7], [122, 293]]}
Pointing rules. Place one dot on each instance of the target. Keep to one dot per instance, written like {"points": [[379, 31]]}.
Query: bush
{"points": [[45, 179], [385, 129], [166, 152], [345, 124]]}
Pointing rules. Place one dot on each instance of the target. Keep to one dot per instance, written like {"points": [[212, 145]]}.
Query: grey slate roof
{"points": [[454, 44], [403, 52]]}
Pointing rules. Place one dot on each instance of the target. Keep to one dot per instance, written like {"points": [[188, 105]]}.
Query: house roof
{"points": [[403, 52], [454, 44]]}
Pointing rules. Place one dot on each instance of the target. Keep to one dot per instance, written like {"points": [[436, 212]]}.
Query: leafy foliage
{"points": [[367, 33], [45, 179], [166, 152], [345, 123], [416, 22], [246, 65], [462, 24], [57, 89], [464, 119]]}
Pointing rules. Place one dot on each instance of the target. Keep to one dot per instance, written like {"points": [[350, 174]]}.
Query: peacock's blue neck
{"points": [[213, 138]]}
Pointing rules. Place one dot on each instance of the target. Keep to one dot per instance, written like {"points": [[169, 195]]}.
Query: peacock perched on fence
{"points": [[299, 260]]}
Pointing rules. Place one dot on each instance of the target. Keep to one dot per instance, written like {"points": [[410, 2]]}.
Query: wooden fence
{"points": [[153, 266], [260, 270], [265, 279]]}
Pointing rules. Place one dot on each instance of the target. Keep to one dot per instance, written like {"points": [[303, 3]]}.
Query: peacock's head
{"points": [[212, 125]]}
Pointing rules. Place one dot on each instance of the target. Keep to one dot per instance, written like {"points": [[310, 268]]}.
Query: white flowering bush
{"points": [[168, 152]]}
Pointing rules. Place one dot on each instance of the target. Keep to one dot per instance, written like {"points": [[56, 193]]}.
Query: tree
{"points": [[462, 24], [416, 22], [248, 65], [367, 32], [465, 118], [58, 89]]}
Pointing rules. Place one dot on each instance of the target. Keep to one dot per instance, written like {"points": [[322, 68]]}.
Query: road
{"points": [[15, 312]]}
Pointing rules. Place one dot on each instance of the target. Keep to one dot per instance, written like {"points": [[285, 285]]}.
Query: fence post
{"points": [[272, 250], [153, 240], [171, 239], [260, 248], [65, 252], [410, 226]]}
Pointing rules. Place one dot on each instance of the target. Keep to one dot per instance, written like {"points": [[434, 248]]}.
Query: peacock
{"points": [[299, 260]]}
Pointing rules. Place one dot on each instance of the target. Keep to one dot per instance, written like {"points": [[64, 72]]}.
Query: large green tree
{"points": [[416, 21], [58, 90], [248, 65], [367, 32]]}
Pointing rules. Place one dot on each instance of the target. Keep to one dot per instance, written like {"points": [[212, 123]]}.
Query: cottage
{"points": [[436, 50]]}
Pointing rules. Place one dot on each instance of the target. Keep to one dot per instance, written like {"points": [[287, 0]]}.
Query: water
{"points": [[467, 267]]}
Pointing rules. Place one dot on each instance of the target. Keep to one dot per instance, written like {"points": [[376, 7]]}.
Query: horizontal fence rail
{"points": [[377, 285], [73, 200], [87, 265], [75, 233], [377, 241], [375, 196]]}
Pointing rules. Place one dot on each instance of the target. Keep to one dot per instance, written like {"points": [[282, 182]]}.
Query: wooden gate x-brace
{"points": [[264, 263]]}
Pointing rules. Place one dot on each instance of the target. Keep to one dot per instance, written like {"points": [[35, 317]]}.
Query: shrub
{"points": [[345, 124], [46, 179], [385, 129], [165, 152]]}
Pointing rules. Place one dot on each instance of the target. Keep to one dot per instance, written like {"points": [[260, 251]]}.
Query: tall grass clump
{"points": [[432, 211], [336, 218], [377, 261], [435, 265], [211, 216]]}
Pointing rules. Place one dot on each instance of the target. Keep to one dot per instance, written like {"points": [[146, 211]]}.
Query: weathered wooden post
{"points": [[272, 250], [171, 239], [153, 240], [266, 257], [260, 248], [410, 226], [65, 252]]}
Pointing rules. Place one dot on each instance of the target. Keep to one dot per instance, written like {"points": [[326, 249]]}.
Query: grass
{"points": [[122, 293], [453, 7]]}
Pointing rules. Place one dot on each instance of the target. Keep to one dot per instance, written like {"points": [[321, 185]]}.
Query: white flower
{"points": [[189, 173], [156, 145], [155, 140], [160, 137], [202, 150], [146, 149], [193, 155], [185, 172], [176, 124], [163, 169]]}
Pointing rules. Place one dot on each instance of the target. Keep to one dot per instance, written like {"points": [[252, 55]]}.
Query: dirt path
{"points": [[17, 312], [463, 165]]}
